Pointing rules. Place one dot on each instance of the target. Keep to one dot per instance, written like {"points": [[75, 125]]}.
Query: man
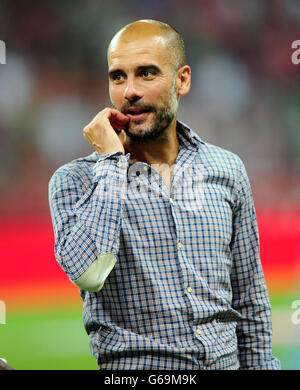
{"points": [[157, 228]]}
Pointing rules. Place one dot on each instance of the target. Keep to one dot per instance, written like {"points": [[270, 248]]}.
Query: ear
{"points": [[183, 80]]}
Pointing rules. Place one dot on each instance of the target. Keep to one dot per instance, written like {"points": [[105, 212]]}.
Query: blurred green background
{"points": [[54, 339], [46, 340]]}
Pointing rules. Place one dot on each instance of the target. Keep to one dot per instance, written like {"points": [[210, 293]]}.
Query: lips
{"points": [[137, 113]]}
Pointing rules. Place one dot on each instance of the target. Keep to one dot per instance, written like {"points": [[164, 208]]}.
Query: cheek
{"points": [[155, 95], [164, 91], [115, 95]]}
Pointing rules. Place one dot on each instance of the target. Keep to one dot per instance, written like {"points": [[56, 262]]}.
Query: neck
{"points": [[162, 150]]}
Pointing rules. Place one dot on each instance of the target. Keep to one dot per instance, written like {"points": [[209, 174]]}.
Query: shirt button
{"points": [[171, 200], [198, 331], [189, 289], [179, 245], [119, 164]]}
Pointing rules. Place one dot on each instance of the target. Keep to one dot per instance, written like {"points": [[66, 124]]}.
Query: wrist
{"points": [[102, 151]]}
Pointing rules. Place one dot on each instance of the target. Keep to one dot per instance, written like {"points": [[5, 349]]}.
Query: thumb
{"points": [[122, 137]]}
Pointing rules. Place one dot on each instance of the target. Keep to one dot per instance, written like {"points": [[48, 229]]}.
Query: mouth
{"points": [[137, 113]]}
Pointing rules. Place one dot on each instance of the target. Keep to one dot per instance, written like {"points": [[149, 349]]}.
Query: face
{"points": [[142, 85]]}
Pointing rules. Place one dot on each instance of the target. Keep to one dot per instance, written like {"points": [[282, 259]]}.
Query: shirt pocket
{"points": [[219, 340], [109, 343], [110, 340]]}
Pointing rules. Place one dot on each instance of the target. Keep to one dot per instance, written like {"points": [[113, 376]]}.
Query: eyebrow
{"points": [[138, 69]]}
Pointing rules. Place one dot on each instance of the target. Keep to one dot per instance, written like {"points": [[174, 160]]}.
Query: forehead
{"points": [[138, 51]]}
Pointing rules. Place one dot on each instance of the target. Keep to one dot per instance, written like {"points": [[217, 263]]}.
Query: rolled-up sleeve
{"points": [[86, 220]]}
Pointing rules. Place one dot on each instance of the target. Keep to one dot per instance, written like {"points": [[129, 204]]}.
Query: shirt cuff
{"points": [[111, 156], [94, 277], [108, 166]]}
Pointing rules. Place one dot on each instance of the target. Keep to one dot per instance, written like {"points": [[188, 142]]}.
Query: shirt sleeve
{"points": [[250, 295], [86, 220]]}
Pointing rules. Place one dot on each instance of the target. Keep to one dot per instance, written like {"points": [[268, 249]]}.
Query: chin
{"points": [[137, 129], [139, 135]]}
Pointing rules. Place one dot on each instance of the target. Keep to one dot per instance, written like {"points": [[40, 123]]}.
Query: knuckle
{"points": [[106, 112], [97, 125]]}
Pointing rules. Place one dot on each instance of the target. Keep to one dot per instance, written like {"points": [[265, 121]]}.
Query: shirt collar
{"points": [[187, 135]]}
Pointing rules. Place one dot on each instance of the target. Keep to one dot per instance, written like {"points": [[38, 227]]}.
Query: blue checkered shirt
{"points": [[187, 290]]}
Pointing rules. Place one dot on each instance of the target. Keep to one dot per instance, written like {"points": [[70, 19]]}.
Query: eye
{"points": [[117, 77], [146, 73]]}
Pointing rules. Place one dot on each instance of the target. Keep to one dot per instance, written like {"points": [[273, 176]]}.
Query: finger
{"points": [[112, 117], [122, 137], [117, 115], [118, 120], [87, 135], [110, 113], [118, 125]]}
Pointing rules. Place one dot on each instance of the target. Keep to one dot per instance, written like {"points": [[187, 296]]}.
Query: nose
{"points": [[131, 92]]}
